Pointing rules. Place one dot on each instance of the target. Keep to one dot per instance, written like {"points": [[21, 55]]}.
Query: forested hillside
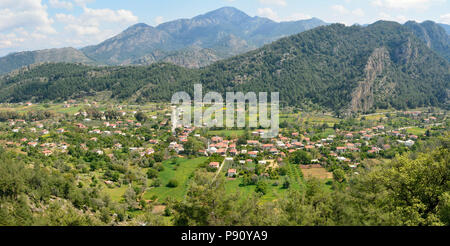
{"points": [[345, 69], [434, 36]]}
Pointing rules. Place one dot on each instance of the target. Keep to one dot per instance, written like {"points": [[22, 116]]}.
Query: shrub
{"points": [[172, 183]]}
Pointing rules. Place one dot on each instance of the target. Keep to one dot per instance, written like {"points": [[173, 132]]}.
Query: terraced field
{"points": [[295, 175]]}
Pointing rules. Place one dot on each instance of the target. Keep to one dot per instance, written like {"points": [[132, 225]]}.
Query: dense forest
{"points": [[339, 68]]}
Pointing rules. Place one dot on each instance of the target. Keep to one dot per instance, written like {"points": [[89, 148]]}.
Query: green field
{"points": [[227, 133], [290, 118], [55, 108], [116, 193], [416, 131], [319, 119], [182, 174], [234, 186], [327, 132], [295, 175]]}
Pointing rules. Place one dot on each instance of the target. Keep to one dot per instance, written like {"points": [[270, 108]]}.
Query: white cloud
{"points": [[82, 29], [445, 18], [89, 22], [24, 13], [274, 2], [5, 44], [26, 25], [60, 4], [65, 18], [10, 40], [98, 16], [340, 9], [268, 13], [406, 4], [159, 20], [17, 38], [399, 18], [83, 3], [273, 15], [20, 4], [358, 12], [347, 16], [297, 16]]}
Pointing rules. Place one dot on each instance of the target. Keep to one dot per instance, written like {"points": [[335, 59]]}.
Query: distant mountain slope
{"points": [[446, 27], [345, 69], [433, 35], [224, 32], [192, 57], [131, 44], [17, 60]]}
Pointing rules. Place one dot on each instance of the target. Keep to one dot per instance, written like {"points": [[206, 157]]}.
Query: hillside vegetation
{"points": [[344, 69]]}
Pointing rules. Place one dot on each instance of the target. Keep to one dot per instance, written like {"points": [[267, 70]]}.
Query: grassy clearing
{"points": [[374, 117], [227, 133], [290, 118], [327, 132], [319, 173], [416, 131], [181, 172], [70, 110], [234, 186], [320, 119], [116, 193]]}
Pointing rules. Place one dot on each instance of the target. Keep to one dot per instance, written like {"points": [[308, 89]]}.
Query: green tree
{"points": [[301, 157], [130, 198], [141, 117], [172, 183], [262, 187], [339, 175]]}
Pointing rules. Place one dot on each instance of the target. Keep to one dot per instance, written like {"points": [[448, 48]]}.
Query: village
{"points": [[116, 147]]}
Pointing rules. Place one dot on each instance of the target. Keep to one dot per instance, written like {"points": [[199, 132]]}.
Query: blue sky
{"points": [[40, 24]]}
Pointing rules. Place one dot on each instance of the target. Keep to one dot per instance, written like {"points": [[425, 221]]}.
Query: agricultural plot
{"points": [[116, 193], [319, 173], [273, 191], [416, 131], [295, 175], [227, 133], [181, 171], [320, 119]]}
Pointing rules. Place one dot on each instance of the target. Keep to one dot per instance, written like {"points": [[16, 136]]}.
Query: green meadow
{"points": [[182, 172]]}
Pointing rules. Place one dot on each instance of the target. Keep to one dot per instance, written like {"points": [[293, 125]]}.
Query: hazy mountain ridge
{"points": [[226, 32], [20, 59]]}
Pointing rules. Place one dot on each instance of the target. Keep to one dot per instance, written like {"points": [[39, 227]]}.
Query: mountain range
{"points": [[198, 42], [192, 43], [21, 59], [335, 67]]}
